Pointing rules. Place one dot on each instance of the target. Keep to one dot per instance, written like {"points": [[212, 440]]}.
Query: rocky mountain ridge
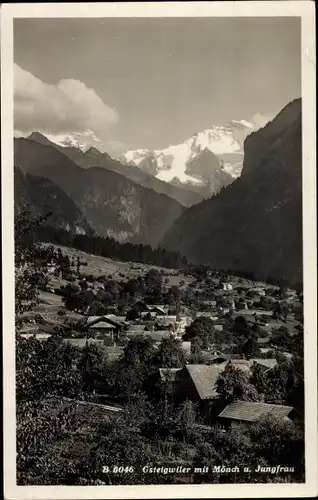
{"points": [[255, 224]]}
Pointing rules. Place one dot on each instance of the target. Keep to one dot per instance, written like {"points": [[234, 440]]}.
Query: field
{"points": [[102, 266]]}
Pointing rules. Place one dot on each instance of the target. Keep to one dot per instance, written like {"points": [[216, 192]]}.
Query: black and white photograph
{"points": [[159, 250]]}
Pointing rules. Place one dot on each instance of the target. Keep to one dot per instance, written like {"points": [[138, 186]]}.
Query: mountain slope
{"points": [[255, 224], [186, 163], [94, 158], [43, 196], [111, 203]]}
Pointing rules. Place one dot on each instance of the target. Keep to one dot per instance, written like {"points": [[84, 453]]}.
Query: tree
{"points": [[203, 328], [170, 354], [196, 350], [250, 348], [233, 384], [30, 268], [186, 420], [46, 368], [241, 325], [93, 366], [279, 442]]}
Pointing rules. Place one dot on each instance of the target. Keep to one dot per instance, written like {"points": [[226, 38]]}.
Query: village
{"points": [[216, 320]]}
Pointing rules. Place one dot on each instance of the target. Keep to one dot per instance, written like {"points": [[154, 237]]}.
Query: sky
{"points": [[148, 83]]}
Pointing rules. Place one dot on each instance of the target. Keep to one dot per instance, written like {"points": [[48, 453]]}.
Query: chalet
{"points": [[159, 309], [102, 328], [205, 314], [214, 357], [36, 336], [99, 324], [135, 330], [166, 322], [246, 412], [197, 382], [108, 325], [242, 364], [158, 335], [82, 342], [265, 364]]}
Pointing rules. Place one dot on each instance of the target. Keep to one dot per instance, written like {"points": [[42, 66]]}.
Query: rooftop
{"points": [[204, 378], [250, 412]]}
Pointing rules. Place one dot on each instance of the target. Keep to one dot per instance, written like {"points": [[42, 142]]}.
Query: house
{"points": [[225, 285], [247, 412], [224, 310], [206, 314], [159, 309], [36, 336], [51, 269], [102, 328], [242, 364], [114, 352], [265, 350], [148, 315], [197, 382], [218, 327], [265, 364], [107, 325], [100, 325], [210, 303], [82, 342], [186, 346], [263, 341], [158, 335], [257, 291], [135, 330], [214, 357]]}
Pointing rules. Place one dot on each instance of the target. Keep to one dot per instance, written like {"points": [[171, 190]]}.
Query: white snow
{"points": [[81, 140], [172, 161]]}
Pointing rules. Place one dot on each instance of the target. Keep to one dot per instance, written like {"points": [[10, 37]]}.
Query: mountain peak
{"points": [[222, 146], [38, 137]]}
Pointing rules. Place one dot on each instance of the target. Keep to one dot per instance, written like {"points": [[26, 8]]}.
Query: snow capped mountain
{"points": [[79, 140], [181, 163]]}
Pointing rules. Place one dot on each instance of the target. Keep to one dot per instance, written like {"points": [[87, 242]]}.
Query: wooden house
{"points": [[247, 412]]}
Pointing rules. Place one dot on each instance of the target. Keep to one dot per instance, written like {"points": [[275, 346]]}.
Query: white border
{"points": [[303, 9]]}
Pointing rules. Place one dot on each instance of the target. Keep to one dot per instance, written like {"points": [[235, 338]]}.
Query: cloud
{"points": [[67, 106], [260, 120]]}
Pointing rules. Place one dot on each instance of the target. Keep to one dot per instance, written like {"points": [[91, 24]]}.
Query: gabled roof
{"points": [[267, 363], [204, 378], [102, 324], [158, 335], [136, 328], [250, 412], [81, 342], [119, 320], [242, 364]]}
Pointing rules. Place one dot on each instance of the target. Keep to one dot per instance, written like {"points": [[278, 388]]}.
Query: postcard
{"points": [[159, 250]]}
